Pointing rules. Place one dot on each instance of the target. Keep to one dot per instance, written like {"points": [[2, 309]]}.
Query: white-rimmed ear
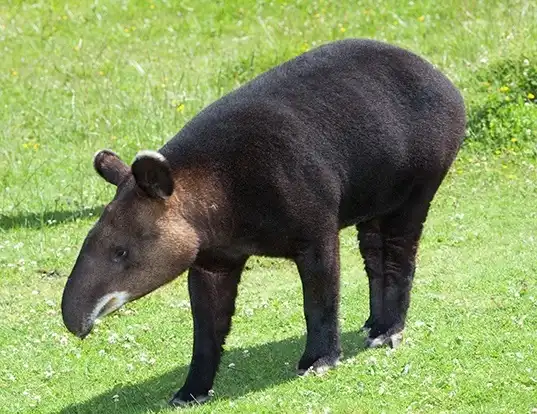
{"points": [[153, 174], [109, 166]]}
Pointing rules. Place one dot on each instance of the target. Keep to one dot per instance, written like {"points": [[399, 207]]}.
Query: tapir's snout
{"points": [[80, 308], [73, 314]]}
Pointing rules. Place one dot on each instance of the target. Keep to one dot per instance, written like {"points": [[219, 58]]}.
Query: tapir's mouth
{"points": [[108, 304], [109, 307], [104, 306]]}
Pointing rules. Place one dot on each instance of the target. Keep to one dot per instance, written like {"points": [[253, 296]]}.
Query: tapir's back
{"points": [[361, 94], [351, 123]]}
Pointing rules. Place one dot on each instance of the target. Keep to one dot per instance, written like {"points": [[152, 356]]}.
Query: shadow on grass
{"points": [[255, 369], [47, 218]]}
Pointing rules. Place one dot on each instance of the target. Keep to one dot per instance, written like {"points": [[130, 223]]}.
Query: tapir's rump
{"points": [[355, 132]]}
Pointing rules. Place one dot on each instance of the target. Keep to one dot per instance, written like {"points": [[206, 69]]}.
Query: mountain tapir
{"points": [[354, 132]]}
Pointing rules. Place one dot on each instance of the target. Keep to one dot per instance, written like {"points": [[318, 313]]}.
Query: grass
{"points": [[77, 77]]}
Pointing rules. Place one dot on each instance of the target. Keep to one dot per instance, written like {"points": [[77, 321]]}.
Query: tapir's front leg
{"points": [[212, 296]]}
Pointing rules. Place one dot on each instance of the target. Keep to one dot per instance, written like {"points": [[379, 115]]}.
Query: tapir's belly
{"points": [[355, 210]]}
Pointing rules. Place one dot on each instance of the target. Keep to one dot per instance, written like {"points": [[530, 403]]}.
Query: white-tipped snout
{"points": [[108, 304]]}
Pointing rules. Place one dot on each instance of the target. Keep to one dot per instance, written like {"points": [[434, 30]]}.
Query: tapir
{"points": [[355, 132]]}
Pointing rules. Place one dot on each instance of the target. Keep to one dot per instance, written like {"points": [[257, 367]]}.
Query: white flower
{"points": [[49, 373], [112, 339]]}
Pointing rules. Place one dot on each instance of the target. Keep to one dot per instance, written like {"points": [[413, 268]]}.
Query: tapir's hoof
{"points": [[319, 367], [393, 340], [179, 401]]}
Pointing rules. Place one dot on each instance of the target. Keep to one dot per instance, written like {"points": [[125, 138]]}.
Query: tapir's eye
{"points": [[120, 254]]}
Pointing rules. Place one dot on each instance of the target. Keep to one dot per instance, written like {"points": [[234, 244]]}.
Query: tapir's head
{"points": [[141, 241]]}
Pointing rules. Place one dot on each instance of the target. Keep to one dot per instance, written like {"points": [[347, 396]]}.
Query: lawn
{"points": [[76, 77]]}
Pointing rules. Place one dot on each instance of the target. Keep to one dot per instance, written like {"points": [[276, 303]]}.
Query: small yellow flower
{"points": [[531, 96], [504, 89], [14, 72], [304, 47], [126, 30], [113, 137], [180, 108], [514, 140], [152, 6], [421, 18], [101, 73], [342, 29], [317, 15], [36, 146], [25, 145]]}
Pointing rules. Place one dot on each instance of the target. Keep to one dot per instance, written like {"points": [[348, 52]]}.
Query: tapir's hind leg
{"points": [[371, 248], [389, 245]]}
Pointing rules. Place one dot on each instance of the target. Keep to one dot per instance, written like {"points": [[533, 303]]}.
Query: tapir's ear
{"points": [[153, 174], [110, 167]]}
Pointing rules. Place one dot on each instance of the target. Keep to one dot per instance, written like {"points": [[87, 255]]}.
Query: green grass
{"points": [[77, 77]]}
